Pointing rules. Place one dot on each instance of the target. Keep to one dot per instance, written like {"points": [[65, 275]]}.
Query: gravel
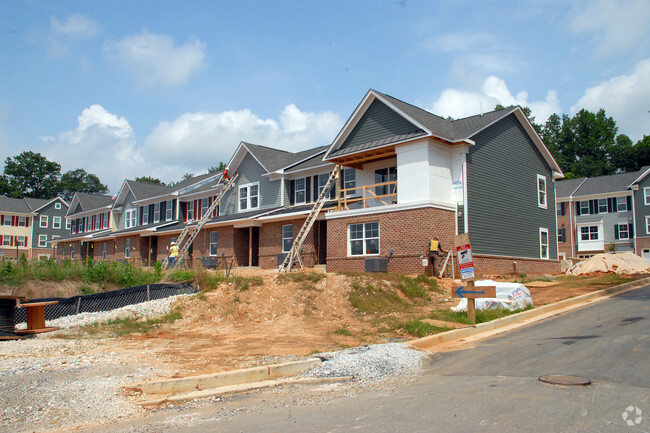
{"points": [[59, 384]]}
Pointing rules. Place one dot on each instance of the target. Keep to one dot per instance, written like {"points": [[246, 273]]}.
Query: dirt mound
{"points": [[619, 263]]}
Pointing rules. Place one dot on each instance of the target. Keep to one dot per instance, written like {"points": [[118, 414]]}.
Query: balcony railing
{"points": [[367, 196]]}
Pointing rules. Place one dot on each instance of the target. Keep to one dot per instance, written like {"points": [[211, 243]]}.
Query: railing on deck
{"points": [[367, 197]]}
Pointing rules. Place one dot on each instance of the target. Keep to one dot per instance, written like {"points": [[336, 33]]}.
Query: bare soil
{"points": [[225, 328]]}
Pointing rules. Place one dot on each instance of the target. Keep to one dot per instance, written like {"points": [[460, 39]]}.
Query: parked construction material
{"points": [[294, 254]]}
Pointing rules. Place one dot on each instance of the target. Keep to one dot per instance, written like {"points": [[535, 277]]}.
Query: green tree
{"points": [[80, 181], [220, 167], [30, 174], [149, 179], [187, 176]]}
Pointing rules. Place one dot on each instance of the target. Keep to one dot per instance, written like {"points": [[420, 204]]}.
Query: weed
{"points": [[421, 329], [300, 277], [86, 289], [343, 331], [124, 326], [370, 299], [243, 283], [179, 276], [481, 315]]}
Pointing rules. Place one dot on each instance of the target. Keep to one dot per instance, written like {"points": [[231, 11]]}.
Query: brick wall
{"points": [[271, 243], [642, 244], [564, 222]]}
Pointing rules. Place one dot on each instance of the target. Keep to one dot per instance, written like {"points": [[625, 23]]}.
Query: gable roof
{"points": [[89, 202], [270, 159], [599, 185], [641, 175], [37, 203], [14, 205], [409, 122], [566, 188]]}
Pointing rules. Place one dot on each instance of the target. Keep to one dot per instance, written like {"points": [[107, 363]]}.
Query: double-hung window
{"points": [[589, 233], [42, 223], [384, 175], [541, 192], [214, 237], [20, 241], [349, 181], [71, 251], [56, 222], [97, 221], [584, 207], [156, 213], [602, 205], [322, 180], [190, 210], [104, 250], [127, 249], [68, 223], [622, 231], [287, 238], [647, 225], [249, 196], [543, 243], [169, 214], [204, 206], [6, 240], [300, 191], [646, 196], [131, 218], [145, 214], [621, 204], [363, 239], [107, 216], [7, 220], [22, 221], [42, 241]]}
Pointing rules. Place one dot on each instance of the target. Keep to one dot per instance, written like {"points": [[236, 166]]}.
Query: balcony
{"points": [[367, 196]]}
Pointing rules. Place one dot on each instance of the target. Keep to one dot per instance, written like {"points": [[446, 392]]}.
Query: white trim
{"points": [[41, 219], [391, 208], [364, 239], [296, 190], [647, 225], [248, 186], [283, 237], [542, 201], [548, 244], [55, 220], [44, 243], [646, 195], [216, 254]]}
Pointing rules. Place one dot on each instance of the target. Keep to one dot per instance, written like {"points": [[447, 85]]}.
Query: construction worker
{"points": [[173, 253], [224, 174]]}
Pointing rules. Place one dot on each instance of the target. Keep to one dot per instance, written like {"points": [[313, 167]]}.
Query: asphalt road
{"points": [[492, 387]]}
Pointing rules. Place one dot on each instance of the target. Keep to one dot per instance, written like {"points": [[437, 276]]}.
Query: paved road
{"points": [[492, 387]]}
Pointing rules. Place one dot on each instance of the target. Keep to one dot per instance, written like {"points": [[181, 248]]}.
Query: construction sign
{"points": [[465, 260]]}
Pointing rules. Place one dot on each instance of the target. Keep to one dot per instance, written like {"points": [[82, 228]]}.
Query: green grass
{"points": [[481, 315], [343, 331], [243, 283], [368, 298], [124, 326], [422, 329], [300, 277]]}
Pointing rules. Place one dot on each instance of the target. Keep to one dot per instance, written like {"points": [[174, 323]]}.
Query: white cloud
{"points": [[75, 26], [196, 141], [616, 25], [463, 103], [155, 60], [626, 98], [103, 144]]}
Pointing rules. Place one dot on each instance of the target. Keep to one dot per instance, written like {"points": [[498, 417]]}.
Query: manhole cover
{"points": [[563, 379]]}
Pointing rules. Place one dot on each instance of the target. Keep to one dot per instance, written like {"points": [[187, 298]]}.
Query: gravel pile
{"points": [[370, 363]]}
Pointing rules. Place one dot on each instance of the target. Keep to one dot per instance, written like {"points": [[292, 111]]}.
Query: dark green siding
{"points": [[378, 122], [504, 218]]}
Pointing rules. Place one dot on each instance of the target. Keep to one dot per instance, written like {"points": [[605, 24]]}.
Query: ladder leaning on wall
{"points": [[190, 232], [294, 253]]}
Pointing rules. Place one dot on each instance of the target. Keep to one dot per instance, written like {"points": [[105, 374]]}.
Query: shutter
{"points": [[592, 207], [13, 241], [630, 230], [563, 235], [292, 192], [629, 203], [26, 240], [616, 231], [2, 220], [315, 188], [152, 207], [14, 221], [307, 189], [163, 211], [578, 208], [184, 210], [611, 205], [335, 184], [26, 225], [174, 207]]}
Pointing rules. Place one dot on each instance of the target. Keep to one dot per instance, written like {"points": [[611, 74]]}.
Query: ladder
{"points": [[190, 232], [442, 265], [294, 253]]}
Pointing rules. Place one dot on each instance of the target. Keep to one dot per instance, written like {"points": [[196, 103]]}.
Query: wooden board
{"points": [[486, 292]]}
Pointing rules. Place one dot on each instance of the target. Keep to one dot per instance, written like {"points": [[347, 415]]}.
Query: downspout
{"points": [[636, 228], [465, 203]]}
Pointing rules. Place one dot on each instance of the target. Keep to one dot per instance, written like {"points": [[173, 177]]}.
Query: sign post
{"points": [[466, 264]]}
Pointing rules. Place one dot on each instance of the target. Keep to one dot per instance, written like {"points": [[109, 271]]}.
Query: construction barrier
{"points": [[106, 301]]}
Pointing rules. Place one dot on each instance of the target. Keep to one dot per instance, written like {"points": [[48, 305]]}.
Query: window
{"points": [[541, 192], [130, 218], [127, 249], [145, 214], [169, 215], [68, 223], [97, 221], [42, 221], [322, 180], [20, 241], [584, 207], [80, 225], [104, 250], [300, 191], [621, 204], [646, 196], [385, 175], [602, 205], [56, 222], [561, 211], [249, 196], [543, 243], [22, 221], [190, 210], [287, 238], [89, 224], [561, 235], [57, 205], [107, 216], [6, 240], [42, 241], [214, 236], [363, 239], [622, 231], [589, 233], [71, 251], [156, 213], [349, 180], [647, 225], [7, 220], [204, 206]]}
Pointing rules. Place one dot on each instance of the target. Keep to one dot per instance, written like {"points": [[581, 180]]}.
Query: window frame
{"points": [[56, 222], [41, 220], [214, 252], [107, 216], [602, 202], [544, 246], [6, 240], [8, 220], [145, 214], [104, 250], [131, 218], [582, 210], [365, 239], [647, 225], [325, 177], [297, 191], [22, 221], [589, 233], [542, 195], [189, 209], [68, 223], [205, 204], [350, 180], [646, 195], [127, 248], [156, 213], [286, 237], [248, 198], [624, 203], [623, 227], [169, 210], [20, 241], [57, 206], [71, 251], [42, 243]]}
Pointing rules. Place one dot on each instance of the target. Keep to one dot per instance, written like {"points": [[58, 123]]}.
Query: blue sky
{"points": [[162, 88]]}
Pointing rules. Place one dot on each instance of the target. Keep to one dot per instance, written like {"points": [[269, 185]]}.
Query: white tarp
{"points": [[513, 296], [620, 263]]}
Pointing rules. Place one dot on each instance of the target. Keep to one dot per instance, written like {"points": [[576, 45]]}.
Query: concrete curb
{"points": [[226, 378], [520, 319]]}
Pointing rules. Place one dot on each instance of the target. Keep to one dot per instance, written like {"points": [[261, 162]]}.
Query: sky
{"points": [[161, 88]]}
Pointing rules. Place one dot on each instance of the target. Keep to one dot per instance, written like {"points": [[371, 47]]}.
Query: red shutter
{"points": [[26, 240], [13, 221], [2, 220], [13, 241], [26, 225]]}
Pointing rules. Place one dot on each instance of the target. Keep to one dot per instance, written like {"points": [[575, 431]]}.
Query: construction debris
{"points": [[619, 263]]}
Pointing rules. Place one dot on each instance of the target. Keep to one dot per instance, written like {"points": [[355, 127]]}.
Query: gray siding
{"points": [[503, 216], [610, 221], [49, 231], [251, 171], [641, 210], [379, 121]]}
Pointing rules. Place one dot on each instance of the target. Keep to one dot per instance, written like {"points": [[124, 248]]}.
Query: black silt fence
{"points": [[107, 301]]}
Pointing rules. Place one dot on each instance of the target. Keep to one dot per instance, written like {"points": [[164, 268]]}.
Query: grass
{"points": [[481, 315], [300, 277], [243, 283], [343, 331], [368, 298], [124, 326], [422, 329]]}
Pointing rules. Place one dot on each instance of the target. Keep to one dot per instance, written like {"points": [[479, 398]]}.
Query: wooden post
{"points": [[250, 246], [471, 306]]}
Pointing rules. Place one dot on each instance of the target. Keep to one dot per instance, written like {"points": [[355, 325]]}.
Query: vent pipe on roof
{"points": [[481, 108]]}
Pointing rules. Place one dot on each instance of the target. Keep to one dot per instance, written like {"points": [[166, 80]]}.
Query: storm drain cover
{"points": [[563, 379]]}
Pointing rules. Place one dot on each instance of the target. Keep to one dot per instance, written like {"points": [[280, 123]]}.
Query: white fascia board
{"points": [[314, 170], [640, 178], [546, 154], [603, 195], [124, 190], [307, 158], [391, 208], [91, 212]]}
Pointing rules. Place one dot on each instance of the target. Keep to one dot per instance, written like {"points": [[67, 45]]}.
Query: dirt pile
{"points": [[619, 263]]}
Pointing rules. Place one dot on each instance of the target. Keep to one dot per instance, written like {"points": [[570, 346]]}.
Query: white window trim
{"points": [[43, 221], [320, 188], [104, 250], [7, 220], [606, 207], [20, 219], [216, 252], [204, 209], [283, 238], [42, 241], [56, 222], [627, 231], [646, 195], [585, 211], [624, 203], [542, 203], [68, 223], [57, 205], [190, 209], [169, 210], [548, 244], [247, 187], [20, 241], [156, 213], [296, 190], [145, 214], [364, 240], [131, 218], [6, 240], [127, 248], [106, 218], [647, 225]]}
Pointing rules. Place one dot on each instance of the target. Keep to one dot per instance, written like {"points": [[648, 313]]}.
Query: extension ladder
{"points": [[442, 265], [190, 232], [294, 253]]}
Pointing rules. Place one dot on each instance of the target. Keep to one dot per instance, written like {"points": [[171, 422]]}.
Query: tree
{"points": [[631, 157], [527, 111], [80, 181], [187, 176], [149, 179], [30, 174], [220, 167]]}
